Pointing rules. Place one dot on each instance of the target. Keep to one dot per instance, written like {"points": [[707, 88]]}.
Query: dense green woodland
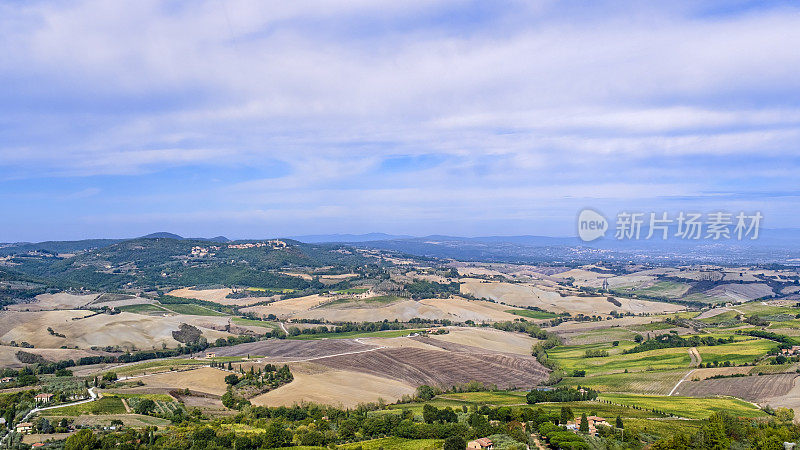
{"points": [[148, 263], [318, 426]]}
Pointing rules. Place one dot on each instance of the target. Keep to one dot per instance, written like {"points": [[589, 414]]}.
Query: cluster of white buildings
{"points": [[273, 243]]}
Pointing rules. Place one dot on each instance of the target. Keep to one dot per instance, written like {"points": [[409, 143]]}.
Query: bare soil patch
{"points": [[443, 368], [218, 296], [61, 300], [320, 384], [702, 374], [289, 307], [84, 330], [8, 356], [455, 309], [548, 299], [752, 388], [205, 379], [489, 339], [293, 349]]}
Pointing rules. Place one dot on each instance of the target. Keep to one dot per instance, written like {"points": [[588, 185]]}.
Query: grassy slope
{"points": [[689, 407], [105, 405], [571, 357]]}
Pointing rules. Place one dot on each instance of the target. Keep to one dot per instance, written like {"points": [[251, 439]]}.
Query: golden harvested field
{"points": [[304, 276], [8, 354], [702, 374], [550, 300], [61, 300], [204, 379], [289, 349], [481, 271], [489, 339], [124, 329], [320, 384], [581, 276], [217, 296], [398, 342], [39, 437], [129, 420], [455, 309], [289, 307], [340, 276]]}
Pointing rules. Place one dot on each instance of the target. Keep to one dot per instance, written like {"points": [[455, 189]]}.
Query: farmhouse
{"points": [[210, 355], [480, 444], [24, 427], [594, 421], [43, 398], [6, 380], [795, 350]]}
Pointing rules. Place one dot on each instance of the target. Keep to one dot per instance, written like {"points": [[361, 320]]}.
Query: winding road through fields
{"points": [[93, 397], [696, 360]]}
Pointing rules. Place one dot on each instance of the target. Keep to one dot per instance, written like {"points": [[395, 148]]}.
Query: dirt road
{"points": [[695, 356]]}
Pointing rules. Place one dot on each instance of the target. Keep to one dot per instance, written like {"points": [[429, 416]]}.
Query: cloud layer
{"points": [[275, 118]]}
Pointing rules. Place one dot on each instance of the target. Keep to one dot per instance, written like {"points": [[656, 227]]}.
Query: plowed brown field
{"points": [[751, 388], [443, 368]]}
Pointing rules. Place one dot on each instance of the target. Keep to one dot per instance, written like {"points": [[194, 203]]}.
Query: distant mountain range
{"points": [[166, 235], [325, 238], [773, 245], [58, 247]]}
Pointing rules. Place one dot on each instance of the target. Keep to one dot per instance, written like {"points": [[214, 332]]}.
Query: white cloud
{"points": [[522, 104]]}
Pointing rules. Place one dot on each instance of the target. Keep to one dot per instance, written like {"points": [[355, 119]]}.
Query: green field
{"points": [[792, 324], [105, 405], [395, 443], [153, 365], [351, 291], [516, 400], [766, 310], [416, 407], [154, 397], [727, 316], [657, 382], [254, 323], [737, 352], [357, 334], [571, 357], [662, 428], [653, 326], [775, 368], [688, 407], [279, 291], [669, 289], [596, 409], [607, 335], [532, 314], [488, 398], [191, 309]]}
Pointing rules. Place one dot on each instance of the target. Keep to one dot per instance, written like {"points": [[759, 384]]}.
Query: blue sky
{"points": [[259, 119]]}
